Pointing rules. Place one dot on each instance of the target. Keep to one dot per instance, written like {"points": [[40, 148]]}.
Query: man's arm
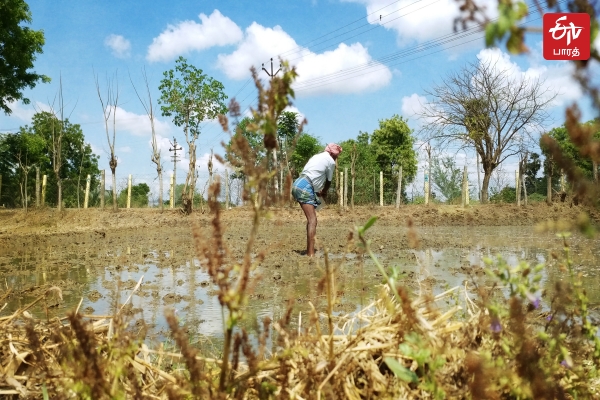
{"points": [[323, 192]]}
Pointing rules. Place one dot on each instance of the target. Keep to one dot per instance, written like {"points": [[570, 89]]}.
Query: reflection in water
{"points": [[104, 273]]}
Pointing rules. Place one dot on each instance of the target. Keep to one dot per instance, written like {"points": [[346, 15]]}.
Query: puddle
{"points": [[104, 270]]}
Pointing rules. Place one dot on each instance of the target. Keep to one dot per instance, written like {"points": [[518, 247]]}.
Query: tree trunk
{"points": [[549, 189], [59, 186], [160, 189], [26, 173], [114, 189], [484, 187]]}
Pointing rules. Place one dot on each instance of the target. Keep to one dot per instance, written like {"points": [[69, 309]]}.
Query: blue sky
{"points": [[225, 38]]}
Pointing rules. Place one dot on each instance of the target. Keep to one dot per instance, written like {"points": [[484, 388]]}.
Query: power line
{"points": [[370, 29]]}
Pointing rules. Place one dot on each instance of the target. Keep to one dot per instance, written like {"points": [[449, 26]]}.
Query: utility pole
{"points": [[428, 175], [175, 149], [271, 75]]}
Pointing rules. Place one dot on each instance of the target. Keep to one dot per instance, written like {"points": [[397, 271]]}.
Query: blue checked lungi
{"points": [[303, 191]]}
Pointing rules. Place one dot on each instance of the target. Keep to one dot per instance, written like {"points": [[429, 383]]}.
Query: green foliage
{"points": [[509, 16], [477, 118], [306, 147], [505, 195], [78, 160], [20, 152], [287, 128], [393, 145], [400, 370], [446, 177], [190, 97], [18, 48], [568, 148], [246, 128], [139, 196], [389, 147], [33, 145], [365, 166]]}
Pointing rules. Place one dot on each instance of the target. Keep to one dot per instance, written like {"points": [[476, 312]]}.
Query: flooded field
{"points": [[103, 265]]}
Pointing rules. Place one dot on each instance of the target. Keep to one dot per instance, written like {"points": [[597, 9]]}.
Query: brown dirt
{"points": [[49, 221], [71, 248]]}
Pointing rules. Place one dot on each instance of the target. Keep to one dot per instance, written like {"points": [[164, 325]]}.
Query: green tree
{"points": [[393, 146], [18, 48], [21, 152], [365, 167], [446, 177], [33, 146], [190, 97], [534, 184], [306, 147], [247, 128], [288, 129], [77, 158], [569, 149], [139, 196]]}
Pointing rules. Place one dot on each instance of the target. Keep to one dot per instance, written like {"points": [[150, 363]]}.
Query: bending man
{"points": [[314, 180]]}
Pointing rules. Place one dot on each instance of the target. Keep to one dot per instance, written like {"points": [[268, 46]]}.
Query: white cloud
{"points": [[214, 30], [124, 149], [119, 45], [413, 105], [24, 112], [261, 43], [299, 115], [418, 20], [557, 77], [139, 124]]}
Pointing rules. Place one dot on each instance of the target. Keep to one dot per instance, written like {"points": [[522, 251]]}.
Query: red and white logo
{"points": [[566, 36]]}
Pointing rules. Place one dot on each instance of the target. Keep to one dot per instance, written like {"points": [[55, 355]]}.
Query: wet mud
{"points": [[97, 258]]}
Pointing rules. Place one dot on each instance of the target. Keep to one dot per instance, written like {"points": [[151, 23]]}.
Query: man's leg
{"points": [[311, 227]]}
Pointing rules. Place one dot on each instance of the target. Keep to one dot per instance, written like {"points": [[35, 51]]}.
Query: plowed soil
{"points": [[99, 255]]}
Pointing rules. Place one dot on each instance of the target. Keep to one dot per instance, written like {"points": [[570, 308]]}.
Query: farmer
{"points": [[314, 180]]}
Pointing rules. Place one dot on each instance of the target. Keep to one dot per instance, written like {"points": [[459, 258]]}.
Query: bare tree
{"points": [[489, 109], [57, 131], [110, 108], [155, 158]]}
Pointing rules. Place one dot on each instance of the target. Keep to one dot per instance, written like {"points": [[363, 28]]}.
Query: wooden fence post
{"points": [[172, 192], [44, 180], [399, 190], [37, 187], [226, 190], [466, 183], [341, 190], [0, 189], [463, 194], [129, 192], [524, 190], [102, 187], [381, 188], [87, 191], [517, 188], [345, 188], [426, 188]]}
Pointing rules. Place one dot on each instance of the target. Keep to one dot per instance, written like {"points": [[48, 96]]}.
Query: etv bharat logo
{"points": [[566, 36]]}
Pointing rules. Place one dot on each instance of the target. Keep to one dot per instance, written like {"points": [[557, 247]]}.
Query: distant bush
{"points": [[506, 195]]}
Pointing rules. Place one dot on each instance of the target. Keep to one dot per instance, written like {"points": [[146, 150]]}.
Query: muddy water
{"points": [[102, 268]]}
